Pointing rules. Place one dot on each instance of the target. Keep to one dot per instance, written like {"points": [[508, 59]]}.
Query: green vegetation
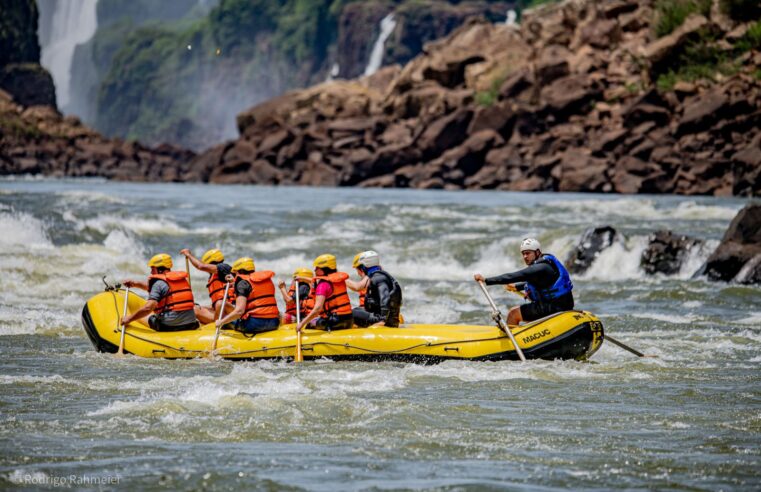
{"points": [[488, 97], [702, 58], [670, 14], [742, 10], [536, 3], [751, 40]]}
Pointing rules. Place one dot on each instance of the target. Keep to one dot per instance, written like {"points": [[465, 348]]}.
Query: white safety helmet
{"points": [[369, 259], [530, 244]]}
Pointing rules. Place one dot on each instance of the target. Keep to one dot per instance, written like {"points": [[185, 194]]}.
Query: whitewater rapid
{"points": [[688, 418]]}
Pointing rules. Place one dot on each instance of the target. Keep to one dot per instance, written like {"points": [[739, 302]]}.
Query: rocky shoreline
{"points": [[567, 101]]}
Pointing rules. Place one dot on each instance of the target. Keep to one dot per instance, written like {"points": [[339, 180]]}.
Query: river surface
{"points": [[688, 419]]}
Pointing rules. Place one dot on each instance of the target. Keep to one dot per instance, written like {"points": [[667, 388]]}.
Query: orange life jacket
{"points": [[180, 296], [306, 304], [338, 303], [216, 289], [261, 303], [362, 293]]}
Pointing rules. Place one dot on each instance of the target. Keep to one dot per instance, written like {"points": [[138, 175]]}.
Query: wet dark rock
{"points": [[593, 242], [666, 252], [740, 244]]}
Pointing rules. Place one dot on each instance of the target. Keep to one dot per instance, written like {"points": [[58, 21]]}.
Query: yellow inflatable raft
{"points": [[567, 335]]}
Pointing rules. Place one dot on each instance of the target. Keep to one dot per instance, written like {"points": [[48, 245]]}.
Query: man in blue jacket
{"points": [[545, 281]]}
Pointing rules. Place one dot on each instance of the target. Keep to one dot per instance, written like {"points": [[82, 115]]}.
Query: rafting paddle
{"points": [[500, 322], [187, 269], [221, 314], [299, 356], [627, 348], [120, 352]]}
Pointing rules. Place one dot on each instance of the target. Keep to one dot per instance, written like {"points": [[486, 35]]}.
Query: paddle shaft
{"points": [[187, 269], [624, 346], [299, 355], [124, 311], [500, 322], [221, 314]]}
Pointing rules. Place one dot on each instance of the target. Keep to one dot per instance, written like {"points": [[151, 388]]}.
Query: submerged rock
{"points": [[593, 242], [666, 252]]}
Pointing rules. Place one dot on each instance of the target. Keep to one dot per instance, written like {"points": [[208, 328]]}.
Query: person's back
{"points": [[383, 300]]}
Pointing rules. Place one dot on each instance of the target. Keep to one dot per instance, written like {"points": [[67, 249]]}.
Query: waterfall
{"points": [[73, 22], [511, 17], [387, 26]]}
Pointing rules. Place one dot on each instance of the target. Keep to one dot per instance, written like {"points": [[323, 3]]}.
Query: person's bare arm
{"points": [[204, 267], [146, 309]]}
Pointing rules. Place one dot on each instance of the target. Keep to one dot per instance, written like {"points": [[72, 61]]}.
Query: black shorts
{"points": [[334, 322], [156, 324], [540, 309]]}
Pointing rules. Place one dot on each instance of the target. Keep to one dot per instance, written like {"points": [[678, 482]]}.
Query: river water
{"points": [[687, 419]]}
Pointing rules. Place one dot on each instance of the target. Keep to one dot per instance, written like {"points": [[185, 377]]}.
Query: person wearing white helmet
{"points": [[545, 281], [383, 300]]}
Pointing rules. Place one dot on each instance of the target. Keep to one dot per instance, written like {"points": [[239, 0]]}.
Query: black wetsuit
{"points": [[383, 301], [542, 275]]}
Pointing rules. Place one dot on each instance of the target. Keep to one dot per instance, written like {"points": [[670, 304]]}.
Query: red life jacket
{"points": [[261, 302], [306, 304], [338, 303], [216, 288], [180, 296]]}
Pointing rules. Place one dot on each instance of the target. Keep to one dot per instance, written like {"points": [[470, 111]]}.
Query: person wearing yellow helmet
{"points": [[332, 306], [358, 286], [303, 278], [170, 298], [213, 263], [545, 280], [255, 304], [383, 301]]}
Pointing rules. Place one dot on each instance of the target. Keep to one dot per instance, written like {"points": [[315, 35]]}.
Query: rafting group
{"points": [[244, 298]]}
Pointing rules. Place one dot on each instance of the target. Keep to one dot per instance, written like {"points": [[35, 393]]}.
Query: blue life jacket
{"points": [[562, 285]]}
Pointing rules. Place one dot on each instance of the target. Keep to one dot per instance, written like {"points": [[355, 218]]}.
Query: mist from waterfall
{"points": [[387, 26], [73, 22]]}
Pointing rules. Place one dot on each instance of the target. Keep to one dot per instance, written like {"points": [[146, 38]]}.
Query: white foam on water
{"points": [[79, 196], [668, 318], [753, 318], [140, 225], [618, 262], [22, 232], [692, 304], [696, 257], [637, 208]]}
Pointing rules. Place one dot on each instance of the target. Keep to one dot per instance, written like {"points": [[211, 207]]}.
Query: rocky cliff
{"points": [[36, 139], [609, 96], [201, 71], [20, 70]]}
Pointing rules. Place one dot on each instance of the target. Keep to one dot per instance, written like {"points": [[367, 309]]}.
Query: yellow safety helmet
{"points": [[160, 260], [213, 256], [355, 261], [244, 263], [325, 261], [303, 272]]}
